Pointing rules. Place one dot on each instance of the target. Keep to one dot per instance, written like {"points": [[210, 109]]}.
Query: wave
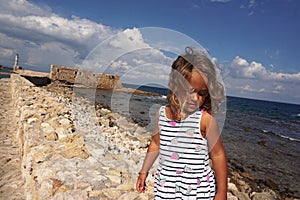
{"points": [[282, 136], [289, 138]]}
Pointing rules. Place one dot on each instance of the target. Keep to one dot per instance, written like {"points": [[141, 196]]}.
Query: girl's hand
{"points": [[141, 182]]}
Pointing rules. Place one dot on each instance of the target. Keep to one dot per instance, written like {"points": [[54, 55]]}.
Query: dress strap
{"points": [[162, 111]]}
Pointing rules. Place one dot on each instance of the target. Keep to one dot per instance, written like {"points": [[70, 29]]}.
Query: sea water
{"points": [[5, 73]]}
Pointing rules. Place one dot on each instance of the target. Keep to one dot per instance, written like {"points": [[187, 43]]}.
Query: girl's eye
{"points": [[203, 93]]}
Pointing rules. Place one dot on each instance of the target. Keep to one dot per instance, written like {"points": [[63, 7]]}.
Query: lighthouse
{"points": [[16, 66]]}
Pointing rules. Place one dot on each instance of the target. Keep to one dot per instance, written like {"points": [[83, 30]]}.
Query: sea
{"points": [[261, 138], [5, 72]]}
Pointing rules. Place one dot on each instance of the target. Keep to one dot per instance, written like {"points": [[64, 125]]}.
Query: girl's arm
{"points": [[217, 155], [152, 154]]}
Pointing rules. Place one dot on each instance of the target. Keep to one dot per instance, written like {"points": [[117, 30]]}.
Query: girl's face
{"points": [[196, 93]]}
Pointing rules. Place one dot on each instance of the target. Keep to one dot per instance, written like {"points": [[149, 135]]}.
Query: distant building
{"points": [[85, 78], [16, 65]]}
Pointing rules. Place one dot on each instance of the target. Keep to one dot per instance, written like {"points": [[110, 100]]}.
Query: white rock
{"points": [[262, 196], [30, 120], [231, 197], [128, 195], [61, 132], [64, 122], [232, 187], [44, 124], [48, 129]]}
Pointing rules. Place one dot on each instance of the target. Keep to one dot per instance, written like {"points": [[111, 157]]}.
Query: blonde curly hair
{"points": [[180, 75]]}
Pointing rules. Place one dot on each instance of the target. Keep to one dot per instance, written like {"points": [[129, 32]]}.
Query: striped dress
{"points": [[184, 171]]}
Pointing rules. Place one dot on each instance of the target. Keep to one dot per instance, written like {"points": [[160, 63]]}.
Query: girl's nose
{"points": [[194, 96]]}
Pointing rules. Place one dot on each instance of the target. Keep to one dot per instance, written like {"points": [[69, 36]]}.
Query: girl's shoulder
{"points": [[206, 118]]}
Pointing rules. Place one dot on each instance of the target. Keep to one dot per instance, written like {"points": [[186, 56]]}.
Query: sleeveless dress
{"points": [[184, 170]]}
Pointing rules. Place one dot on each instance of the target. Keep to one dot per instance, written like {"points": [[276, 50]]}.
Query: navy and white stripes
{"points": [[184, 171]]}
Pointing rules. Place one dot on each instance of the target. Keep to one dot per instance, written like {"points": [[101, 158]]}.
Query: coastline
{"points": [[109, 150]]}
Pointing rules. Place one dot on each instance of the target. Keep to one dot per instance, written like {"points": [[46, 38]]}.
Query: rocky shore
{"points": [[67, 154]]}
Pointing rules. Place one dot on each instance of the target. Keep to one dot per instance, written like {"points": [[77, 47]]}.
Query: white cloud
{"points": [[54, 27], [252, 6], [241, 68], [6, 52], [252, 79], [26, 28], [278, 89], [248, 88], [22, 8], [120, 66], [59, 54], [123, 52], [148, 73], [131, 39], [284, 77]]}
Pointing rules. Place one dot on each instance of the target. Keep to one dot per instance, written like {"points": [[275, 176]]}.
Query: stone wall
{"points": [[84, 78], [63, 159]]}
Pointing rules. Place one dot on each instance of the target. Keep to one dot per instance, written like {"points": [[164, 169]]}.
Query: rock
{"points": [[232, 187], [262, 143], [129, 195], [65, 122], [240, 195], [125, 187], [111, 193], [95, 193], [71, 195], [144, 141], [62, 132], [248, 176], [114, 179], [262, 196], [114, 116], [103, 111], [104, 122], [51, 136], [81, 185], [75, 147], [126, 126], [243, 186], [231, 197], [30, 120], [47, 129], [271, 184], [56, 184]]}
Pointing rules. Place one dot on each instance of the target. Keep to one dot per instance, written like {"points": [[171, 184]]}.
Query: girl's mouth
{"points": [[193, 104]]}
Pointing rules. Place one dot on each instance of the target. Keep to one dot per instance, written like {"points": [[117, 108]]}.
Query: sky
{"points": [[255, 43]]}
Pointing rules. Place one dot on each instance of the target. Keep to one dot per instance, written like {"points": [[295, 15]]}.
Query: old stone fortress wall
{"points": [[84, 77], [70, 75], [62, 159]]}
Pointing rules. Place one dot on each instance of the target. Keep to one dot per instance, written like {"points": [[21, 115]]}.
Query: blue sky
{"points": [[256, 43]]}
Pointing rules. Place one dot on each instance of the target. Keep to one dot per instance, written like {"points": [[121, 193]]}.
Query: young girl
{"points": [[186, 135]]}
